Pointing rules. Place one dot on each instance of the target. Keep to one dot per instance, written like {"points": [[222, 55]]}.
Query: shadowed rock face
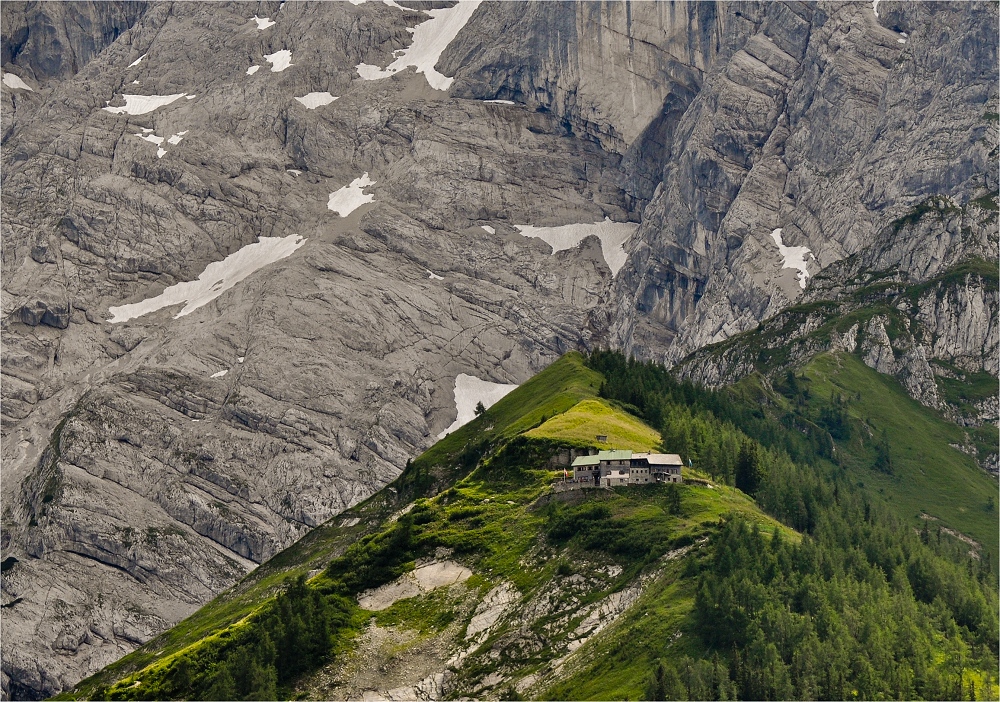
{"points": [[137, 485], [54, 40]]}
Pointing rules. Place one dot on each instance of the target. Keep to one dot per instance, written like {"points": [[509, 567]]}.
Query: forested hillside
{"points": [[776, 571]]}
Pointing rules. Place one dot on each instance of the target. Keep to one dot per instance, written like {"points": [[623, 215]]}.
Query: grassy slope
{"points": [[556, 389], [619, 661], [583, 422], [551, 392], [928, 475]]}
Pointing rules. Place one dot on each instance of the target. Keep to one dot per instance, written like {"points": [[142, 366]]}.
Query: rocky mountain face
{"points": [[153, 455], [830, 123], [52, 41], [921, 304]]}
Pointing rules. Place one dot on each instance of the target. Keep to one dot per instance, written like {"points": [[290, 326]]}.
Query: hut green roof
{"points": [[614, 455]]}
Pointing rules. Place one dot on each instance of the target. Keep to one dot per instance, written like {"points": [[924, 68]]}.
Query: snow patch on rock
{"points": [[12, 81], [351, 197], [432, 275], [214, 280], [142, 104], [137, 61], [263, 22], [500, 102], [252, 70], [793, 257], [314, 100], [158, 140], [219, 374], [468, 391], [613, 236], [279, 60], [430, 38]]}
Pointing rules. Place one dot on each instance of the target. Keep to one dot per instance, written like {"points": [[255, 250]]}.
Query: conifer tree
{"points": [[748, 468]]}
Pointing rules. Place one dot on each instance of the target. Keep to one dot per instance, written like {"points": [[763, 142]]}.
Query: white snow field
{"points": [[12, 81], [174, 139], [793, 257], [252, 70], [613, 236], [279, 60], [468, 391], [430, 38], [351, 197], [314, 100], [432, 275], [263, 22], [142, 104], [214, 280], [137, 61], [219, 374], [488, 229], [500, 102]]}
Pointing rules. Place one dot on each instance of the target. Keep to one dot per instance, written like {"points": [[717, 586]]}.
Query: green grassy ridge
{"points": [[844, 518], [835, 427], [929, 476], [588, 418], [493, 520], [556, 389], [553, 391]]}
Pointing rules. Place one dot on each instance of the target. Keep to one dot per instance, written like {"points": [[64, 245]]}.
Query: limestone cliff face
{"points": [[829, 124], [620, 73], [150, 463], [48, 40]]}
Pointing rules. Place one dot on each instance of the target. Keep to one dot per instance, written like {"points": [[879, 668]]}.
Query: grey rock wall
{"points": [[824, 125]]}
